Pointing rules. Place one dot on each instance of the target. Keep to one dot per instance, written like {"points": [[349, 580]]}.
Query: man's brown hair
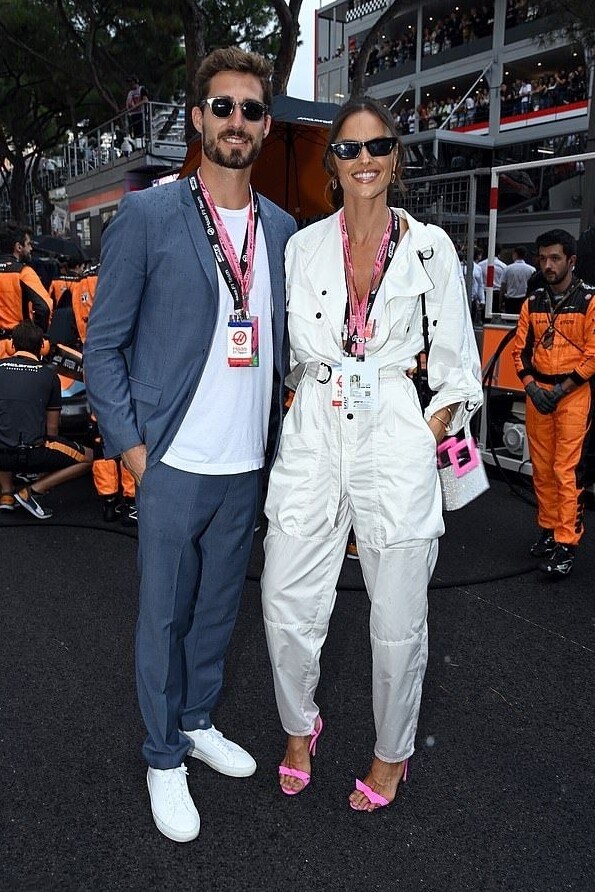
{"points": [[234, 59]]}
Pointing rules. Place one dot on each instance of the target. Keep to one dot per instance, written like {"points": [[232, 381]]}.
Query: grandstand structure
{"points": [[86, 178], [471, 86]]}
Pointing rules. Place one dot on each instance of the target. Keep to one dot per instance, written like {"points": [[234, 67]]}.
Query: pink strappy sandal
{"points": [[284, 771], [375, 798]]}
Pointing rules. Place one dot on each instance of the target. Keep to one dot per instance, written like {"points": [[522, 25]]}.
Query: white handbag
{"points": [[461, 471], [460, 465]]}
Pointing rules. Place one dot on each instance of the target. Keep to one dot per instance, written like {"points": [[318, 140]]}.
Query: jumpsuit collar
{"points": [[406, 278]]}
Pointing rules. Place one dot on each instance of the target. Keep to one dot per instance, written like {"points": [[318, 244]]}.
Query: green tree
{"points": [[62, 72], [271, 29], [116, 37], [288, 15], [37, 106], [64, 63]]}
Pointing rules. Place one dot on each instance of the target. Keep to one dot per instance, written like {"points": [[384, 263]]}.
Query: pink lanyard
{"points": [[243, 277], [359, 310]]}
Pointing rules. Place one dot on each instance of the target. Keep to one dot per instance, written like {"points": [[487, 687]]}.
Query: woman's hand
{"points": [[437, 429], [439, 422]]}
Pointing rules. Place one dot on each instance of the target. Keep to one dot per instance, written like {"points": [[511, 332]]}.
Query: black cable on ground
{"points": [[459, 583]]}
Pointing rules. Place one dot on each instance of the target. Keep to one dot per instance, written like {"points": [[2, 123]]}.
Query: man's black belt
{"points": [[551, 379]]}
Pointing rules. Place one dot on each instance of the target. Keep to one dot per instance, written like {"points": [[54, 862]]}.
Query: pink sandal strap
{"points": [[375, 798], [295, 772], [314, 736]]}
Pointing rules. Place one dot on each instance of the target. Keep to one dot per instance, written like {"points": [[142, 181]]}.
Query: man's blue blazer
{"points": [[154, 316]]}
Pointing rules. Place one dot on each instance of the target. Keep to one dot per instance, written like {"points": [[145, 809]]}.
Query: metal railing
{"points": [[496, 174], [157, 128], [454, 202]]}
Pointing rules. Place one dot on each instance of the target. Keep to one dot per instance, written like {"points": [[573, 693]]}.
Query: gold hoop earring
{"points": [[334, 184], [393, 177]]}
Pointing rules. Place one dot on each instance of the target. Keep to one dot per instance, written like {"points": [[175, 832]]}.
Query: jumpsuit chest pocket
{"points": [[314, 326], [401, 318]]}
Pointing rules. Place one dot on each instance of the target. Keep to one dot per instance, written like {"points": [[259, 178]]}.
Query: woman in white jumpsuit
{"points": [[371, 461]]}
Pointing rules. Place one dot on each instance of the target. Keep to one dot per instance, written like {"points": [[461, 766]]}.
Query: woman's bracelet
{"points": [[446, 424]]}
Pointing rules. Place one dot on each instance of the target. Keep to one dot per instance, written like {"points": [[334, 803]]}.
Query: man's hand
{"points": [[545, 401], [135, 461]]}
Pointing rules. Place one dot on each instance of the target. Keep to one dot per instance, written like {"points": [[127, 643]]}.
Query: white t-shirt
{"points": [[225, 428]]}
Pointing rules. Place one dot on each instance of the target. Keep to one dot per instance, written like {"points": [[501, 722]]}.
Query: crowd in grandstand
{"points": [[457, 28], [388, 53], [557, 88], [464, 26], [518, 97], [520, 11]]}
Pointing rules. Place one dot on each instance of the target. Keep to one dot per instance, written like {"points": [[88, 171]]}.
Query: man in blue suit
{"points": [[184, 364]]}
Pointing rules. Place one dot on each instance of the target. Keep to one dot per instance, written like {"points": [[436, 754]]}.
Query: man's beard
{"points": [[236, 159], [556, 278]]}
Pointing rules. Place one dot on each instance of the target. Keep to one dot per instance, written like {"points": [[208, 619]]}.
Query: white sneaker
{"points": [[221, 754], [173, 810], [30, 501]]}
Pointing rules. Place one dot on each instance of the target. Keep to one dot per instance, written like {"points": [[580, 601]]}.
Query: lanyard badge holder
{"points": [[242, 341], [359, 374], [242, 329]]}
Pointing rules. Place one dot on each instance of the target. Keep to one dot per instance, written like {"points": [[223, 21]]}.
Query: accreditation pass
{"points": [[360, 384]]}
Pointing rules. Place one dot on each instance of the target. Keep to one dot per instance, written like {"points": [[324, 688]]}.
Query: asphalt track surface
{"points": [[501, 788]]}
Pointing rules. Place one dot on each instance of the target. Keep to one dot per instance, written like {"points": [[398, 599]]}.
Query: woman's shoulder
{"points": [[423, 234], [313, 233]]}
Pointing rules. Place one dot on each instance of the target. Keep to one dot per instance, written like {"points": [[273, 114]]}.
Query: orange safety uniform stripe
{"points": [[66, 449], [105, 476], [59, 286], [557, 441], [128, 484], [83, 295]]}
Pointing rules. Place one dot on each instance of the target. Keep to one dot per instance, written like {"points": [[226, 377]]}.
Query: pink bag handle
{"points": [[454, 448]]}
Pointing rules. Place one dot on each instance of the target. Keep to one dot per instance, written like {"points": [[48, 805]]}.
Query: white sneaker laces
{"points": [[220, 741], [177, 786]]}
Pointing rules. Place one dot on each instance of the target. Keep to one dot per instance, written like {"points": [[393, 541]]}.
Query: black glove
{"points": [[558, 393], [544, 400]]}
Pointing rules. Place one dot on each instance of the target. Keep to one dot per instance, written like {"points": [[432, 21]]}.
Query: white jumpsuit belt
{"points": [[322, 372]]}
